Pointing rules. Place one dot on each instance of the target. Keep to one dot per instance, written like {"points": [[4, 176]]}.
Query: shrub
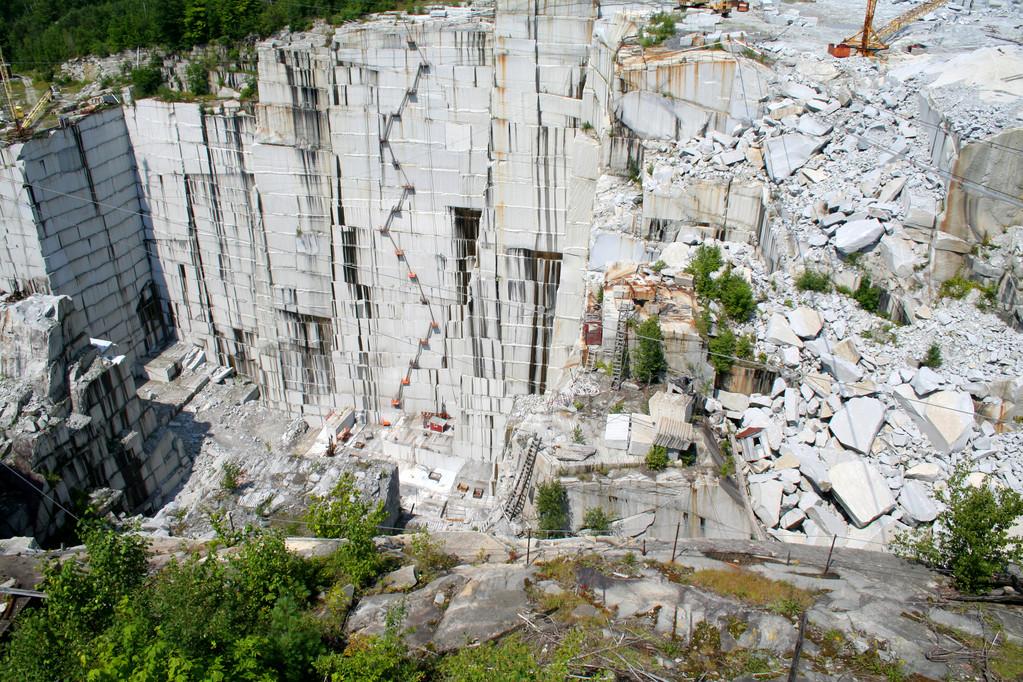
{"points": [[577, 435], [958, 287], [660, 28], [658, 266], [230, 475], [146, 81], [648, 357], [970, 538], [198, 79], [736, 296], [811, 280], [596, 519], [721, 350], [657, 458], [869, 297], [429, 556], [344, 514], [552, 509], [707, 260], [744, 346], [933, 357]]}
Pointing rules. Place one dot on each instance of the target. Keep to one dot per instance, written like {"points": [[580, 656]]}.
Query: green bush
{"points": [[430, 558], [736, 296], [744, 346], [344, 514], [647, 358], [197, 77], [577, 435], [706, 261], [970, 538], [230, 475], [596, 519], [657, 458], [933, 357], [869, 297], [721, 350], [146, 81], [658, 266], [552, 509], [660, 28], [958, 287], [811, 280]]}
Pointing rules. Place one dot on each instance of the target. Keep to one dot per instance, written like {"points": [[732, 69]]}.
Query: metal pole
{"points": [[827, 565], [529, 537], [798, 650], [674, 545]]}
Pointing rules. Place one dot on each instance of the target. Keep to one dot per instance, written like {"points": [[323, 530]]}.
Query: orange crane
{"points": [[868, 41]]}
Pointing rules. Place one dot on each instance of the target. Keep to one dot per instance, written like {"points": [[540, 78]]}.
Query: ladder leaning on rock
{"points": [[518, 497]]}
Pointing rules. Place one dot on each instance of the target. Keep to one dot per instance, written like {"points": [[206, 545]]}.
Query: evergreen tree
{"points": [[647, 359]]}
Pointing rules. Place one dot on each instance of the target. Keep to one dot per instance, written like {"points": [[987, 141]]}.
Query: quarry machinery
{"points": [[868, 41], [22, 122], [722, 7]]}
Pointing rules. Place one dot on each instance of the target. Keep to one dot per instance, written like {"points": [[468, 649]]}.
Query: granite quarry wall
{"points": [[400, 224]]}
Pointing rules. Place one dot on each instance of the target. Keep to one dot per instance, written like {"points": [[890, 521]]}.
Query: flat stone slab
{"points": [[857, 423], [861, 490]]}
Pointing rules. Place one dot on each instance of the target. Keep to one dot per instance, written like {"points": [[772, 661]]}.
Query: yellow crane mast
{"points": [[22, 122], [868, 41]]}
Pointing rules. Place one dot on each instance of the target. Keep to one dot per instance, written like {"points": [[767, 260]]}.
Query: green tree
{"points": [[657, 458], [344, 514], [552, 508], [706, 261], [81, 596], [647, 359], [736, 296], [146, 81], [197, 77], [970, 538], [721, 349]]}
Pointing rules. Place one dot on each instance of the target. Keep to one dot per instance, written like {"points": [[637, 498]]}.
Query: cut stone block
{"points": [[857, 423], [861, 490]]}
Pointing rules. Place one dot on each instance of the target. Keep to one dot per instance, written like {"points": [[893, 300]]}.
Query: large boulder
{"points": [[766, 499], [917, 504], [945, 417], [856, 424], [805, 322], [898, 256], [787, 153], [857, 235], [780, 333], [861, 490]]}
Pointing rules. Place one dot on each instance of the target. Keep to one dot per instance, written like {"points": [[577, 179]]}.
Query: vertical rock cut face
{"points": [[401, 224]]}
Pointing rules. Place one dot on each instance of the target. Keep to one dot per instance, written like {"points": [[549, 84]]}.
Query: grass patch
{"points": [[958, 287], [752, 588]]}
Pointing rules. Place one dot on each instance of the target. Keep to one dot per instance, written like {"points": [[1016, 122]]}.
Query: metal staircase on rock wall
{"points": [[518, 497], [408, 190], [621, 344]]}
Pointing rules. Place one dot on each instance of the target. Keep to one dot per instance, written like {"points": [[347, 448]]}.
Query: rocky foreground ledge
{"points": [[727, 609]]}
